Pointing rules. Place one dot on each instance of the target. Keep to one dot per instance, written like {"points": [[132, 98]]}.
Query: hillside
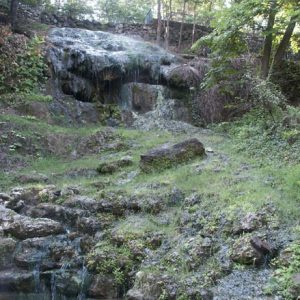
{"points": [[121, 178]]}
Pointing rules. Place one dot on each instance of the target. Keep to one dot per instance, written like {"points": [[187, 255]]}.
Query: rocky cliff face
{"points": [[88, 64], [113, 69]]}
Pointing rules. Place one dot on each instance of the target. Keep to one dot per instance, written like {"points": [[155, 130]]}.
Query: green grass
{"points": [[229, 181], [29, 126], [224, 179]]}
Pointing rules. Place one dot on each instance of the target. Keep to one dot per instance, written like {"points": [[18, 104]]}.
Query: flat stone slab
{"points": [[171, 155], [23, 227]]}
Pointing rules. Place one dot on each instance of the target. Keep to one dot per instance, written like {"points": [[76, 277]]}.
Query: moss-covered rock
{"points": [[184, 76], [168, 156], [114, 166]]}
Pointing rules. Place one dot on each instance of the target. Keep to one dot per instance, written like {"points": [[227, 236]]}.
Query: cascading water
{"points": [[53, 286], [88, 64], [83, 277]]}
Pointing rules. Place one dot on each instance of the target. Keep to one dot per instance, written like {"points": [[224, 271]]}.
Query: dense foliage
{"points": [[22, 63]]}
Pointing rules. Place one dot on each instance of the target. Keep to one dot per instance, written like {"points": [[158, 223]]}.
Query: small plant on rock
{"points": [[284, 280]]}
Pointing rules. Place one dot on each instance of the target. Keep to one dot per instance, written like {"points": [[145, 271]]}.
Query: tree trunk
{"points": [[267, 50], [282, 47], [158, 34], [194, 24], [14, 4], [167, 38], [181, 26]]}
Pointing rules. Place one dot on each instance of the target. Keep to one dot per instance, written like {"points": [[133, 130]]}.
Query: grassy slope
{"points": [[232, 179], [228, 181]]}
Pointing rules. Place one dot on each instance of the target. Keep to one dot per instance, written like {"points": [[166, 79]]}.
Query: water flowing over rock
{"points": [[93, 64], [102, 69]]}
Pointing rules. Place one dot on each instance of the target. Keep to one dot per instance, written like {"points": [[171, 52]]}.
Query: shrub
{"points": [[22, 66], [281, 281]]}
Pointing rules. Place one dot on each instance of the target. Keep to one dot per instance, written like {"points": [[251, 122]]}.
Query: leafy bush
{"points": [[265, 136], [22, 66], [107, 259], [287, 76], [282, 282], [266, 95]]}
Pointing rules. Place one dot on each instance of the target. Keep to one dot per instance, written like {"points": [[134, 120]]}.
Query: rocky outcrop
{"points": [[87, 64], [168, 156], [184, 76], [251, 251], [24, 228], [117, 71]]}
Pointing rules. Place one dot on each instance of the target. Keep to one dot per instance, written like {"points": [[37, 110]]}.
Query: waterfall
{"points": [[53, 286], [83, 277]]}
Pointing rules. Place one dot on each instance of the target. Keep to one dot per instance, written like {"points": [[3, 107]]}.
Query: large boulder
{"points": [[249, 250], [33, 252], [103, 287], [58, 213], [184, 76], [168, 156], [25, 227]]}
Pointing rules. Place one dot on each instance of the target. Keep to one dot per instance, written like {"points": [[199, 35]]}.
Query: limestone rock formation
{"points": [[92, 64]]}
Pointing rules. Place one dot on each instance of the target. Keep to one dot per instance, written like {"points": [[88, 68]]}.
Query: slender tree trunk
{"points": [[14, 4], [194, 24], [267, 50], [167, 38], [282, 47], [181, 26], [158, 35]]}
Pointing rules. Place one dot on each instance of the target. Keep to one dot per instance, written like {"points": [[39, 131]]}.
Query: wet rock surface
{"points": [[26, 228], [17, 281], [83, 61], [7, 247], [242, 285], [111, 69]]}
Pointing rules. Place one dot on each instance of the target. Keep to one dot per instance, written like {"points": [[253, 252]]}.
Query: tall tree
{"points": [[275, 19], [159, 23], [267, 49], [169, 18], [14, 4], [182, 24], [194, 21], [285, 41]]}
